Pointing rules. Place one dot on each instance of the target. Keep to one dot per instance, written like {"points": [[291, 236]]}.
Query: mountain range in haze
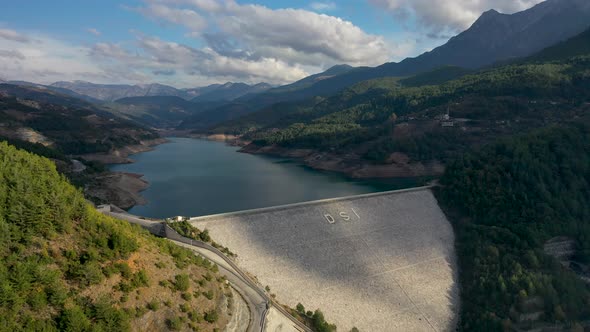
{"points": [[494, 38], [112, 92]]}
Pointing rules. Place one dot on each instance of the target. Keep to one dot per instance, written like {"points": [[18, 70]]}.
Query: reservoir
{"points": [[192, 177]]}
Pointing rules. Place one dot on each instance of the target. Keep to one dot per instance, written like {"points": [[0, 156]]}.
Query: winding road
{"points": [[255, 297]]}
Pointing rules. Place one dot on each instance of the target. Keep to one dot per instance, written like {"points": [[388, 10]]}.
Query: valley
{"points": [[303, 166]]}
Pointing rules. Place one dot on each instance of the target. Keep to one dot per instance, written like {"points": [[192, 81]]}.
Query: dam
{"points": [[378, 262]]}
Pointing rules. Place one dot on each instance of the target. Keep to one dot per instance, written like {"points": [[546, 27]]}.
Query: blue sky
{"points": [[197, 42], [67, 18]]}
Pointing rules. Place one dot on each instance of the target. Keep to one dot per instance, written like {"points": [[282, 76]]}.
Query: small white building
{"points": [[446, 121]]}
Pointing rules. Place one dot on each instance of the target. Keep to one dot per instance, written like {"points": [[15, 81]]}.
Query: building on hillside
{"points": [[446, 120], [177, 219]]}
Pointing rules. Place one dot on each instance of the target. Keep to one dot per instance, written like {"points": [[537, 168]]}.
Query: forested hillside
{"points": [[506, 201], [492, 38], [579, 45], [377, 118], [66, 267], [157, 111], [67, 124]]}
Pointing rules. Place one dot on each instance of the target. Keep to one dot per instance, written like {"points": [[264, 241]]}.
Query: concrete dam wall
{"points": [[380, 262]]}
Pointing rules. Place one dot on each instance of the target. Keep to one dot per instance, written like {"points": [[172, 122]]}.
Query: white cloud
{"points": [[44, 60], [206, 5], [11, 54], [299, 36], [239, 42], [163, 57], [260, 29], [94, 31], [145, 60], [449, 15], [7, 34], [188, 18], [322, 6], [232, 42]]}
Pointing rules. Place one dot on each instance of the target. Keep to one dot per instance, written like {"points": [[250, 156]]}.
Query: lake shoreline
{"points": [[351, 165], [122, 189], [209, 171], [121, 155]]}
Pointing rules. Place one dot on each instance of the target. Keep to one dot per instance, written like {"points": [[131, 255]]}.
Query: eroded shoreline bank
{"points": [[122, 189], [352, 165], [398, 165]]}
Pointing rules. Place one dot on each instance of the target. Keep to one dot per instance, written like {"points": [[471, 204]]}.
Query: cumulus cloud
{"points": [[301, 33], [449, 15], [11, 54], [7, 34], [303, 37], [144, 60], [206, 5], [239, 42], [44, 59], [188, 18], [163, 57], [230, 42]]}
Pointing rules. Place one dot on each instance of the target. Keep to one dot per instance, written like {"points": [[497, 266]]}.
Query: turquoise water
{"points": [[191, 177]]}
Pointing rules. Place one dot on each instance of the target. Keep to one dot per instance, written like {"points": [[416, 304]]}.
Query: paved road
{"points": [[257, 300], [120, 214], [256, 303]]}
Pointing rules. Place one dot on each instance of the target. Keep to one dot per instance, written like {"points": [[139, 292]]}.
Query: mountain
{"points": [[230, 91], [578, 45], [252, 102], [401, 122], [495, 36], [158, 111], [152, 105], [111, 92], [310, 80], [68, 124], [171, 111], [277, 99], [435, 76], [66, 267], [62, 91], [41, 93], [214, 116], [195, 92], [492, 38]]}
